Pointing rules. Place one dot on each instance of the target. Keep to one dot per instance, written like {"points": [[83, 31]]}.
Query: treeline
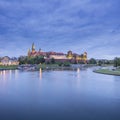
{"points": [[116, 62], [40, 60], [31, 60], [100, 62]]}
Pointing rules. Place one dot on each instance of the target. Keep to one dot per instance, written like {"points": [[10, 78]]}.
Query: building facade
{"points": [[9, 61], [70, 56]]}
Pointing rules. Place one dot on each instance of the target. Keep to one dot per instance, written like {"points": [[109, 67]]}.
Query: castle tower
{"points": [[69, 55], [33, 48], [40, 50], [29, 52], [85, 56]]}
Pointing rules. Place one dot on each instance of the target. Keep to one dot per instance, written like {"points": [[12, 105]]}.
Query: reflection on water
{"points": [[55, 95], [78, 70], [78, 77], [4, 74], [78, 73], [16, 74], [40, 73], [9, 74]]}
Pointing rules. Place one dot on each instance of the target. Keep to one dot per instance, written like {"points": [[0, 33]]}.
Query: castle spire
{"points": [[40, 50], [33, 47]]}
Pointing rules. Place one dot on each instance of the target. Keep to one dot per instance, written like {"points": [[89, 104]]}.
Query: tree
{"points": [[53, 61], [116, 62], [40, 59], [100, 62], [66, 64], [59, 63], [31, 60], [107, 62], [92, 61], [22, 60]]}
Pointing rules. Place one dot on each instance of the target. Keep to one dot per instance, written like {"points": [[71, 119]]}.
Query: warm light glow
{"points": [[4, 75], [40, 74], [1, 73], [78, 70], [16, 73], [78, 73], [10, 73]]}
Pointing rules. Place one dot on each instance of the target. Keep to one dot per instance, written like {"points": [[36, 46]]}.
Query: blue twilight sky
{"points": [[60, 25]]}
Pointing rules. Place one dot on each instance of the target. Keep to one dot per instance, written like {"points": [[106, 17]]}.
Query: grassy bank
{"points": [[53, 67], [11, 67], [108, 72]]}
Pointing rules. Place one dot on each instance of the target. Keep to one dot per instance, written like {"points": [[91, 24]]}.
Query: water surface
{"points": [[54, 95]]}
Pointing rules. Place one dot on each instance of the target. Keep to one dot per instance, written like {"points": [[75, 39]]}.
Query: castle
{"points": [[70, 56]]}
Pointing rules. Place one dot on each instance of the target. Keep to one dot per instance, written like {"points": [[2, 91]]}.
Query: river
{"points": [[59, 95]]}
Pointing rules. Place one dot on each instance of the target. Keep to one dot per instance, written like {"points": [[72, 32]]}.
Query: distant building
{"points": [[9, 61], [70, 56], [56, 55]]}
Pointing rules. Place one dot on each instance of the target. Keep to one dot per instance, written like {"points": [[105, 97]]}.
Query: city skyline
{"points": [[81, 26]]}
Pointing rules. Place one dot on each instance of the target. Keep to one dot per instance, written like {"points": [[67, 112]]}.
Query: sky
{"points": [[91, 26]]}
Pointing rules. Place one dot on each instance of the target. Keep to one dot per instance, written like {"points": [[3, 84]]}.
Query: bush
{"points": [[53, 61], [31, 60], [66, 64], [92, 61], [60, 63], [100, 62], [116, 62]]}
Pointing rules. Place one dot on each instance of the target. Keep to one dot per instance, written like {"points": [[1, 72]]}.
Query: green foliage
{"points": [[59, 63], [107, 71], [53, 61], [31, 60], [22, 60], [39, 59], [48, 62], [92, 61], [107, 62], [116, 62], [66, 64], [100, 62], [8, 67]]}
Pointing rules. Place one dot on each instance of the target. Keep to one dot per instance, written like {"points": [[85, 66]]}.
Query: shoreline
{"points": [[30, 67], [107, 72], [46, 67], [12, 67]]}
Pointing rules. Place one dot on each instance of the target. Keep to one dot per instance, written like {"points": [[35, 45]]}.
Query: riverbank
{"points": [[11, 67], [115, 72], [35, 67], [30, 67]]}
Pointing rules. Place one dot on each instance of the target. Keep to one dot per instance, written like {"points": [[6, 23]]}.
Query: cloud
{"points": [[86, 25]]}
